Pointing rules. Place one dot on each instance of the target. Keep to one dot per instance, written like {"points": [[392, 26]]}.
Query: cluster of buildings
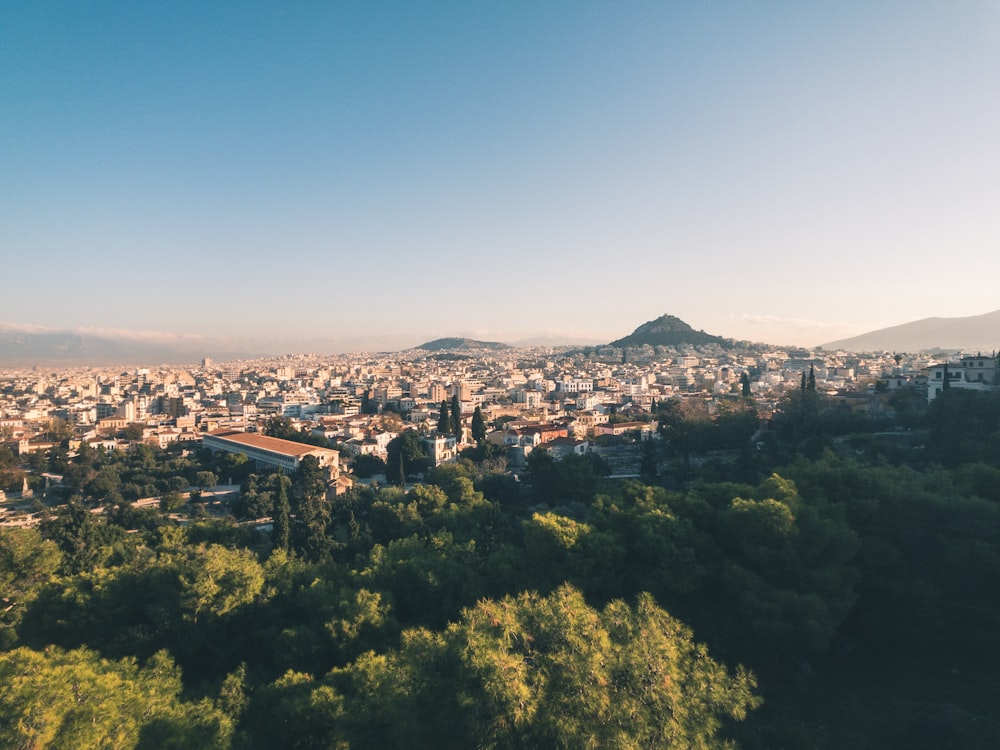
{"points": [[976, 372], [563, 399]]}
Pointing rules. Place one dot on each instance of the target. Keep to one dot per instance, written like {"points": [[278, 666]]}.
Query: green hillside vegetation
{"points": [[667, 330], [447, 344], [831, 586]]}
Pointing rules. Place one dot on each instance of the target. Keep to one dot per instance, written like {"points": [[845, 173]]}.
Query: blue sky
{"points": [[371, 175]]}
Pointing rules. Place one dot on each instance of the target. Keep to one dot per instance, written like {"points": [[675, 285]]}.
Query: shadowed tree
{"points": [[27, 561], [312, 511], [478, 425], [408, 449], [444, 421], [281, 533], [456, 418]]}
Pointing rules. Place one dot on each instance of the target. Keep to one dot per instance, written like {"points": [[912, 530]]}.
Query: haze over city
{"points": [[355, 176]]}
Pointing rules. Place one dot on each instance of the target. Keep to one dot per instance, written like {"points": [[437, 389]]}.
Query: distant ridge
{"points": [[667, 330], [974, 333], [50, 348], [447, 344]]}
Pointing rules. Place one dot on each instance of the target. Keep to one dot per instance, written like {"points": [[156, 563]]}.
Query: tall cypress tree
{"points": [[402, 471], [456, 418], [745, 385], [811, 384], [444, 422], [280, 534], [478, 426]]}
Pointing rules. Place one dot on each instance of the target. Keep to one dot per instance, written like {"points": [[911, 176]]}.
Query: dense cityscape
{"points": [[564, 398]]}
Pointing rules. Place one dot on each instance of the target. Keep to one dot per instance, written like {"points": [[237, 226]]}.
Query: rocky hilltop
{"points": [[667, 330]]}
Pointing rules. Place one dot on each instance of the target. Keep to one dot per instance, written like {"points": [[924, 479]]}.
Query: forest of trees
{"points": [[827, 580]]}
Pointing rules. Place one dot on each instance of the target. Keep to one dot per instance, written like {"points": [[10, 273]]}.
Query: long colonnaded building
{"points": [[271, 452]]}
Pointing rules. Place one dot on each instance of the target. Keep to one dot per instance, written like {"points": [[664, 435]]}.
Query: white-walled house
{"points": [[974, 373]]}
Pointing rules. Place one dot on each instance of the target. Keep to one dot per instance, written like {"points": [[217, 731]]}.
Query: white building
{"points": [[440, 448], [976, 373]]}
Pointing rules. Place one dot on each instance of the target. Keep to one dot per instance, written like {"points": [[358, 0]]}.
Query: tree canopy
{"points": [[843, 566]]}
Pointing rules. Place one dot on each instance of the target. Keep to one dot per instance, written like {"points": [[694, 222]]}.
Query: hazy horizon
{"points": [[350, 172], [343, 341], [134, 346]]}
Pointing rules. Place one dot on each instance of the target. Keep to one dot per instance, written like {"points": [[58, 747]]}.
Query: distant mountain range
{"points": [[667, 330], [26, 348], [447, 344], [974, 333]]}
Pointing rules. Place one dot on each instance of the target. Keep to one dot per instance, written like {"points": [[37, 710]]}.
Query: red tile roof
{"points": [[276, 445]]}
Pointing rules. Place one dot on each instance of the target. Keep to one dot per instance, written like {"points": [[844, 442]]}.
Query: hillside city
{"points": [[569, 400]]}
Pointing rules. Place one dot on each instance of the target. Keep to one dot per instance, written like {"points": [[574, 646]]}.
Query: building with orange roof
{"points": [[265, 451]]}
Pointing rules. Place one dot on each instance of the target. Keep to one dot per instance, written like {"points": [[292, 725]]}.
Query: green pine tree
{"points": [[478, 426], [280, 534], [456, 418], [402, 471], [444, 421]]}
